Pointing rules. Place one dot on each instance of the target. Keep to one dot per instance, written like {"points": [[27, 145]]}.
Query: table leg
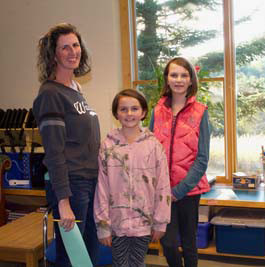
{"points": [[32, 260]]}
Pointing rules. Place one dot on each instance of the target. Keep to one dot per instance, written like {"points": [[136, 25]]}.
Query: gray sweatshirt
{"points": [[70, 135]]}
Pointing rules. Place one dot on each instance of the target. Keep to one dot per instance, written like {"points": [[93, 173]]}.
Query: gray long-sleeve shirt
{"points": [[70, 135]]}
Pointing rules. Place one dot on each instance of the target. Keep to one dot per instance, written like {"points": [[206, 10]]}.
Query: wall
{"points": [[24, 21]]}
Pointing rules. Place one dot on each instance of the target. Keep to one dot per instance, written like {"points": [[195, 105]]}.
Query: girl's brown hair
{"points": [[180, 61], [131, 93]]}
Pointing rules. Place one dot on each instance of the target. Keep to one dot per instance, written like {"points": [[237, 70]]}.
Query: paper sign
{"points": [[75, 247]]}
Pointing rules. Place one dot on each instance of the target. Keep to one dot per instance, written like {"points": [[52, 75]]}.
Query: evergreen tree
{"points": [[158, 41]]}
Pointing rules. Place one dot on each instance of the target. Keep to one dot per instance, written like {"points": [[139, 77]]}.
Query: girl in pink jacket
{"points": [[132, 200]]}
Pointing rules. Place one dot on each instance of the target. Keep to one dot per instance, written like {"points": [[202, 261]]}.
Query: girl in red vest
{"points": [[181, 124]]}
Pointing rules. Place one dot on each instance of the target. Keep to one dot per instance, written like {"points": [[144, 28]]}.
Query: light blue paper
{"points": [[75, 247], [46, 176]]}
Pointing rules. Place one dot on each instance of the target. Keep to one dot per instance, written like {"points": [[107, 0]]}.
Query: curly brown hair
{"points": [[46, 47], [183, 62]]}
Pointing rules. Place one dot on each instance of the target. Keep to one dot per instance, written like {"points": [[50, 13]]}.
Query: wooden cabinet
{"points": [[225, 196]]}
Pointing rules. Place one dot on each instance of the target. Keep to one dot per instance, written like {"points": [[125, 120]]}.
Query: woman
{"points": [[70, 134], [181, 124]]}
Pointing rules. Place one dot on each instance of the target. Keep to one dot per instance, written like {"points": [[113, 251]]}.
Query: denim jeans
{"points": [[183, 225], [81, 203]]}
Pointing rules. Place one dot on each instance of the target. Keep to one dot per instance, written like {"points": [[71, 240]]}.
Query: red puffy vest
{"points": [[185, 140]]}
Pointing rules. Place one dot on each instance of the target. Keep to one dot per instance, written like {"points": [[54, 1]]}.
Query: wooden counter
{"points": [[227, 196]]}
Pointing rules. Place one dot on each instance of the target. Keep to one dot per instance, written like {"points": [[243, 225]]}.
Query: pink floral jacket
{"points": [[133, 191]]}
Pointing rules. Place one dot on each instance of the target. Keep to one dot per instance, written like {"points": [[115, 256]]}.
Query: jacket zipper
{"points": [[172, 134]]}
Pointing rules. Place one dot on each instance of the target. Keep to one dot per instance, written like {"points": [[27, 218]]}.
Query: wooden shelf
{"points": [[26, 149], [210, 250], [29, 136], [25, 192], [232, 203]]}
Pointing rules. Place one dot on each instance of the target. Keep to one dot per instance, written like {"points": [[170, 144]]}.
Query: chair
{"points": [[49, 249], [5, 164]]}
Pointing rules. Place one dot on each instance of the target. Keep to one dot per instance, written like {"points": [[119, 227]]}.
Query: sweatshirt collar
{"points": [[118, 138]]}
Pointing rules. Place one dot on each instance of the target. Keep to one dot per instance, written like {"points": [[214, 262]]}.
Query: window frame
{"points": [[130, 79]]}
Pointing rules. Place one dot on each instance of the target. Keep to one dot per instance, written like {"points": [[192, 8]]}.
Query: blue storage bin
{"points": [[105, 255], [240, 231], [204, 235]]}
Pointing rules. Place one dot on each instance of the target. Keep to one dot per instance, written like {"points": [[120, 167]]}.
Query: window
{"points": [[250, 82], [158, 30]]}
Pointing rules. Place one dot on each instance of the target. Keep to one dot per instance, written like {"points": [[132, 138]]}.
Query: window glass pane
{"points": [[166, 29], [172, 28], [249, 21], [212, 94]]}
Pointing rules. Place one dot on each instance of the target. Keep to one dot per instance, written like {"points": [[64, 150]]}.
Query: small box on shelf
{"points": [[242, 180]]}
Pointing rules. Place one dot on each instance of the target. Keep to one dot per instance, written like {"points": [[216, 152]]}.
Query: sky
{"points": [[242, 33], [213, 20]]}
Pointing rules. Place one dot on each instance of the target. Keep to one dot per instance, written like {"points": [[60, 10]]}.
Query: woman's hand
{"points": [[156, 235], [106, 241], [67, 217]]}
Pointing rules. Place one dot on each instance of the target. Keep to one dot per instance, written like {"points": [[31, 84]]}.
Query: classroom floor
{"points": [[209, 261], [204, 261]]}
